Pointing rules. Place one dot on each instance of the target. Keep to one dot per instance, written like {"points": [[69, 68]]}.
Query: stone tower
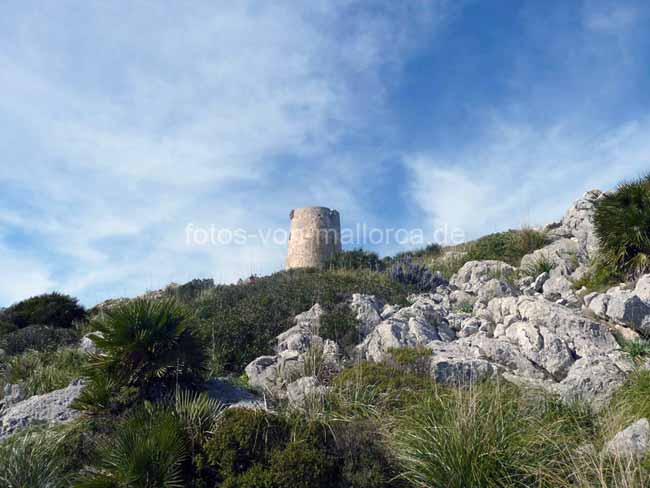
{"points": [[315, 236]]}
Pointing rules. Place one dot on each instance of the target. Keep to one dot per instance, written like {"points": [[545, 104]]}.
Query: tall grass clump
{"points": [[622, 225], [42, 372], [31, 460], [147, 345], [485, 435]]}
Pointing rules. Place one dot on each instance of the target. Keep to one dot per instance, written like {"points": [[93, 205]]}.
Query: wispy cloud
{"points": [[123, 122]]}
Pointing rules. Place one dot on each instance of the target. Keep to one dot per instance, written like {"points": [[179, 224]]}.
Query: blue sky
{"points": [[123, 122]]}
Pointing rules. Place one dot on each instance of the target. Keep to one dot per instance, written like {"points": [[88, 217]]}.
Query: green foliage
{"points": [[147, 451], [37, 338], [429, 252], [340, 324], [539, 266], [54, 309], [484, 436], [356, 259], [241, 321], [509, 246], [601, 276], [406, 356], [149, 345], [42, 372], [622, 225], [252, 449], [6, 327], [637, 349], [377, 386], [633, 399], [31, 460]]}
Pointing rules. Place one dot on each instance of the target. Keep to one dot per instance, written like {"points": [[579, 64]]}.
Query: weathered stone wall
{"points": [[315, 236]]}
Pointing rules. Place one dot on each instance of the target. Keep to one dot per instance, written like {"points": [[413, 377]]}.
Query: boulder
{"points": [[632, 442], [233, 396], [578, 223], [559, 287], [626, 307], [368, 312], [474, 274], [53, 407], [87, 344], [305, 391], [642, 288]]}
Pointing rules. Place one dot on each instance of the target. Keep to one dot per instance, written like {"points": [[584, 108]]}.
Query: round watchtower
{"points": [[315, 236]]}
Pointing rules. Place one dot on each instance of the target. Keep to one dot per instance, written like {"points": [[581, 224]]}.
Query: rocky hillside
{"points": [[530, 372]]}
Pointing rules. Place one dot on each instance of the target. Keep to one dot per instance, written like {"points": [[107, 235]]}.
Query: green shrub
{"points": [[600, 276], [243, 438], [42, 372], [37, 338], [54, 309], [148, 450], [425, 254], [483, 436], [541, 265], [509, 246], [149, 345], [369, 387], [31, 460], [356, 259], [252, 449], [637, 349], [240, 322], [6, 327], [340, 325], [622, 225]]}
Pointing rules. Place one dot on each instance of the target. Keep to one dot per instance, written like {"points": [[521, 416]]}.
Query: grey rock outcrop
{"points": [[419, 324], [632, 442], [53, 407], [233, 396], [474, 274]]}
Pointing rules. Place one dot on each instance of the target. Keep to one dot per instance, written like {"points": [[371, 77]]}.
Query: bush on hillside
{"points": [[415, 276], [622, 225], [251, 449], [431, 251], [240, 322], [340, 325], [356, 259], [42, 372], [54, 309], [37, 338], [6, 327], [149, 345]]}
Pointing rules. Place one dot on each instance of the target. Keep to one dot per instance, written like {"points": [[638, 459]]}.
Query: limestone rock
{"points": [[634, 441], [53, 407], [474, 274], [304, 391], [233, 396], [368, 312], [626, 307]]}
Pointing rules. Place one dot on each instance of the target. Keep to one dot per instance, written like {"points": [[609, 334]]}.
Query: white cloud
{"points": [[125, 121], [519, 175]]}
